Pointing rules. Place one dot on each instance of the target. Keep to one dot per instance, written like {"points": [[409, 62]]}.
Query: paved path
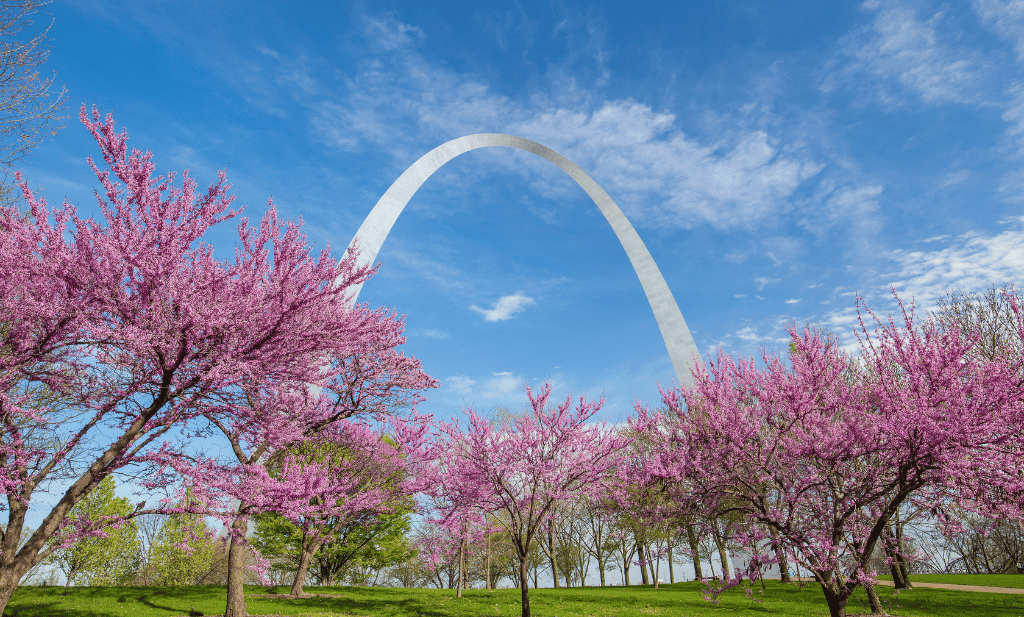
{"points": [[1010, 590], [959, 587]]}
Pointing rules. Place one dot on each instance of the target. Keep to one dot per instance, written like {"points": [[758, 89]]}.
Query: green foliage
{"points": [[679, 600], [112, 560], [183, 551], [366, 543]]}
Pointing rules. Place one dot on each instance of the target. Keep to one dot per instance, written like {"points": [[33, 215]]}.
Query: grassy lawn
{"points": [[679, 600], [983, 580]]}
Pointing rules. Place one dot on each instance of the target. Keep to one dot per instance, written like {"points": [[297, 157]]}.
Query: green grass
{"points": [[1015, 581], [679, 600]]}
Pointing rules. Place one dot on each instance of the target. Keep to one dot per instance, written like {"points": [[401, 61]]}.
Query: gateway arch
{"points": [[372, 233]]}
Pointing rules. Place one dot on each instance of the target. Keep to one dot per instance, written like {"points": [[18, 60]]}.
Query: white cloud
{"points": [[655, 170], [460, 383], [764, 281], [971, 262], [506, 307], [899, 47], [390, 34], [853, 202], [403, 103], [748, 334], [736, 257], [437, 335], [793, 301], [1013, 115], [853, 211], [501, 385], [1005, 18], [955, 177]]}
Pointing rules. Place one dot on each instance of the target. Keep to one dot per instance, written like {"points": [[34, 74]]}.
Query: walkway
{"points": [[959, 587]]}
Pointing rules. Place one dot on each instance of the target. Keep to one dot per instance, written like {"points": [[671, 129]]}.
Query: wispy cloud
{"points": [[461, 384], [399, 101], [1006, 18], [433, 333], [501, 385], [853, 209], [971, 262], [388, 34], [506, 307], [659, 172], [748, 334], [907, 53]]}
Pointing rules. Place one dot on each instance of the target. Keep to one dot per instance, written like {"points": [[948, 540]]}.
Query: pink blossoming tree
{"points": [[823, 451], [523, 468], [268, 427], [116, 333]]}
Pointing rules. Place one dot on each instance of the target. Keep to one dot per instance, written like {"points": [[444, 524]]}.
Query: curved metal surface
{"points": [[371, 235]]}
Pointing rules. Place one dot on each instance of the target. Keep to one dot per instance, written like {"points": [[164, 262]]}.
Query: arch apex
{"points": [[374, 230]]}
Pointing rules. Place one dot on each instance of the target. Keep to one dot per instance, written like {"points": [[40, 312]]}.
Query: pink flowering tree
{"points": [[524, 467], [118, 332], [823, 450], [376, 473], [350, 469], [269, 425]]}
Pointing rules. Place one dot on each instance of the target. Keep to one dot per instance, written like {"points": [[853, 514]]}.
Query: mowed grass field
{"points": [[679, 600]]}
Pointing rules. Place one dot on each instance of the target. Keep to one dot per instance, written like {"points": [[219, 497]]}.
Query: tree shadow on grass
{"points": [[42, 610], [89, 601], [328, 603]]}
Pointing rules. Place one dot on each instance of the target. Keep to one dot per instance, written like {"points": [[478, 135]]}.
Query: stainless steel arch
{"points": [[681, 347]]}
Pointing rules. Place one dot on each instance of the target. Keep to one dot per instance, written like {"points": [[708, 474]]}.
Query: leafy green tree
{"points": [[370, 542], [183, 551], [110, 559]]}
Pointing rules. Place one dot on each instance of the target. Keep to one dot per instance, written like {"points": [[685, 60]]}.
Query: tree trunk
{"points": [[309, 548], [892, 547], [723, 556], [901, 559], [691, 537], [905, 571], [836, 603], [551, 554], [236, 558], [873, 601], [780, 555], [671, 571], [487, 566], [8, 583], [643, 563], [462, 568], [600, 567], [524, 586], [897, 574]]}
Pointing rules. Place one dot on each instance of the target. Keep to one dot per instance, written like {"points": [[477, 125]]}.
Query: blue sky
{"points": [[776, 157]]}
